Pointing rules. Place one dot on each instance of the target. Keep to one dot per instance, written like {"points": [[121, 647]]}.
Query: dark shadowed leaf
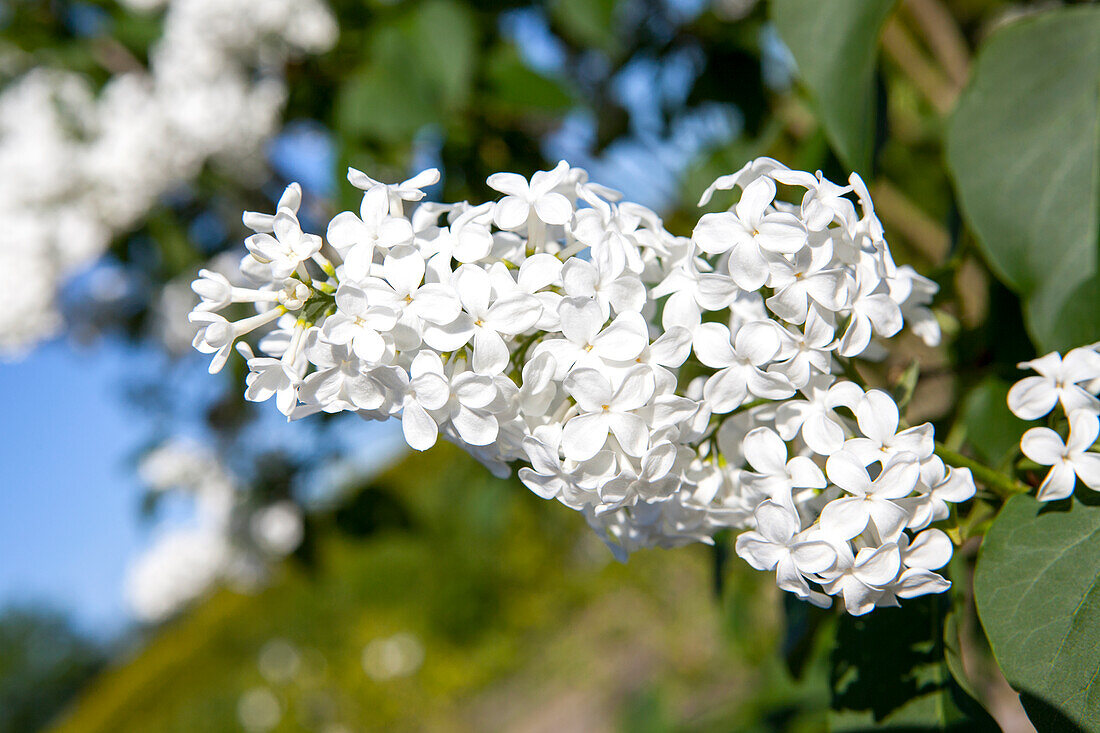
{"points": [[889, 673], [991, 428]]}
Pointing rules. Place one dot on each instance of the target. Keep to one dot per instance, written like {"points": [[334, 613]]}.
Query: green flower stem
{"points": [[746, 407], [997, 482]]}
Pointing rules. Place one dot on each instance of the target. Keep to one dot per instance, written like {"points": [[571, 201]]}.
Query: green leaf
{"points": [[906, 385], [390, 97], [419, 69], [889, 673], [834, 43], [588, 23], [952, 651], [445, 37], [1038, 598], [991, 428], [515, 87], [1024, 150]]}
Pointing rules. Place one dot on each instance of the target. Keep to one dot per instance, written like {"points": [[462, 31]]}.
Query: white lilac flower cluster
{"points": [[667, 387], [227, 540], [81, 166], [1071, 383]]}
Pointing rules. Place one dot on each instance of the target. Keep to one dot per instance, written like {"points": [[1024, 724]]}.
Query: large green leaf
{"points": [[890, 673], [515, 87], [1024, 149], [419, 69], [391, 96], [834, 43], [445, 38], [1039, 600]]}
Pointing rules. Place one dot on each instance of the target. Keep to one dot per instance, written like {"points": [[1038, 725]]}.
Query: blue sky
{"points": [[70, 497], [70, 521]]}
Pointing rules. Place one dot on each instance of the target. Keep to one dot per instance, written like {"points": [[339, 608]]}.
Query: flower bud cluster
{"points": [[1071, 384], [666, 387]]}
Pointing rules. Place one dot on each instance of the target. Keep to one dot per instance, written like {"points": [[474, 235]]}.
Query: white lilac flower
{"points": [[1059, 381], [751, 234], [878, 418], [637, 377], [356, 237], [536, 199], [739, 360], [815, 418], [774, 475], [588, 345], [777, 544], [484, 319], [409, 190], [603, 410], [359, 323], [860, 578], [872, 502], [1069, 460], [939, 485]]}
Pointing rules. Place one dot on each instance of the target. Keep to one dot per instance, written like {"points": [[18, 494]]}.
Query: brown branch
{"points": [[115, 58], [944, 37], [930, 81], [926, 234]]}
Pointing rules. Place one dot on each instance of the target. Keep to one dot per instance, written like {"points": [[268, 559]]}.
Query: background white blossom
{"points": [[83, 165]]}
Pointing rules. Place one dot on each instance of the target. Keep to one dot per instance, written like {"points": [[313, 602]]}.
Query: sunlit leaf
{"points": [[1038, 593], [1023, 149]]}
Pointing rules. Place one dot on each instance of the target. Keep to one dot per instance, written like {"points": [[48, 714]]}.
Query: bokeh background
{"points": [[174, 558]]}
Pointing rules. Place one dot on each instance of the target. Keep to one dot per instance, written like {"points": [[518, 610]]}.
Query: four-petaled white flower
{"points": [[1058, 381], [537, 198], [872, 501], [587, 343], [606, 410], [739, 359], [287, 249], [484, 320], [1068, 460], [815, 418], [359, 323], [775, 476], [878, 418], [861, 578], [751, 234], [356, 237], [778, 544]]}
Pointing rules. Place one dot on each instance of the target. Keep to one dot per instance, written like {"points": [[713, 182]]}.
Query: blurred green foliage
{"points": [[44, 662], [523, 618]]}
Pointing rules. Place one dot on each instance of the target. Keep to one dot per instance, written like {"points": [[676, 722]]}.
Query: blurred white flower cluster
{"points": [[1072, 384], [228, 540], [666, 387], [81, 166]]}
